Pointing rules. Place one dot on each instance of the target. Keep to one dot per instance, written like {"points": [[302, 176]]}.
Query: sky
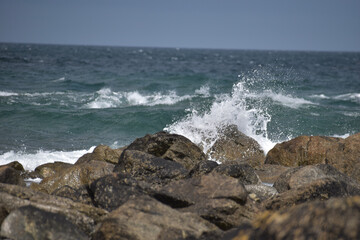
{"points": [[315, 25]]}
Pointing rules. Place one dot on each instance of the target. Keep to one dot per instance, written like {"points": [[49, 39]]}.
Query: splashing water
{"points": [[204, 128]]}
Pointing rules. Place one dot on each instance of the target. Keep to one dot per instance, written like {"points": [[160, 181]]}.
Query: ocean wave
{"points": [[353, 97], [286, 100], [31, 160], [204, 128], [7, 94]]}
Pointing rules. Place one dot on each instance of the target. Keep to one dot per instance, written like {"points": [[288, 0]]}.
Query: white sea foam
{"points": [[59, 79], [203, 128], [8, 94], [320, 96], [354, 97], [203, 91], [341, 136], [31, 160], [286, 100]]}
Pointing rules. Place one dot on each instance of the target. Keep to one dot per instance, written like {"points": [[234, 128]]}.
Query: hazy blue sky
{"points": [[253, 24]]}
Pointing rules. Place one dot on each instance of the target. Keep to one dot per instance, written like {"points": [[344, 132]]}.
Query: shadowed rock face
{"points": [[343, 154], [337, 218], [12, 174], [29, 222], [102, 153], [171, 147], [145, 218]]}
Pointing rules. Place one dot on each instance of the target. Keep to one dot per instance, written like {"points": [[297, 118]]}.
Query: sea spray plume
{"points": [[204, 128]]}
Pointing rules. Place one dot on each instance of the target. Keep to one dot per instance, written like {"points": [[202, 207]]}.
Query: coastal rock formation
{"points": [[12, 174], [203, 167], [260, 192], [29, 222], [242, 171], [171, 147], [233, 145], [50, 169], [147, 219], [102, 153], [269, 173], [337, 218], [343, 154]]}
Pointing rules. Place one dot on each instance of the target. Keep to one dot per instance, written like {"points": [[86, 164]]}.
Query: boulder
{"points": [[102, 153], [269, 173], [145, 218], [220, 199], [80, 194], [146, 167], [76, 176], [242, 171], [171, 147], [12, 174], [83, 216], [337, 218], [343, 154], [203, 167], [300, 176], [29, 222], [49, 169], [233, 145], [260, 192]]}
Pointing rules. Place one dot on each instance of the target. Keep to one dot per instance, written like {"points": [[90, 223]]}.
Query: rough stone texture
{"points": [[146, 167], [102, 153], [260, 192], [76, 176], [269, 173], [242, 171], [320, 189], [343, 154], [83, 216], [233, 145], [148, 219], [203, 167], [171, 147], [337, 218], [220, 199], [12, 174], [78, 195], [28, 222], [50, 169], [298, 177], [111, 191]]}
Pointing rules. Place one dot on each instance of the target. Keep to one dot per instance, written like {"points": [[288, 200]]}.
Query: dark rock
{"points": [[29, 222], [111, 191], [220, 199], [337, 218], [269, 173], [242, 171], [80, 194], [102, 153], [260, 192], [343, 154], [146, 167], [233, 145], [146, 218], [12, 174], [203, 167], [49, 169], [82, 215], [76, 176], [320, 189], [298, 177], [171, 147]]}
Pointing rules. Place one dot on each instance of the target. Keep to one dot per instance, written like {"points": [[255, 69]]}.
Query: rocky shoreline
{"points": [[162, 186]]}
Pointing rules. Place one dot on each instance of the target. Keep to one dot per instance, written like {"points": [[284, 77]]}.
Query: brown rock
{"points": [[171, 147], [102, 153], [260, 192], [49, 169], [12, 174], [233, 145], [146, 218], [343, 154], [242, 171], [269, 173]]}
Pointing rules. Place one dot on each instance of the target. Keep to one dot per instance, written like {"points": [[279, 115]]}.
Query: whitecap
{"points": [[8, 94], [31, 160], [354, 97], [287, 100], [203, 90], [320, 96]]}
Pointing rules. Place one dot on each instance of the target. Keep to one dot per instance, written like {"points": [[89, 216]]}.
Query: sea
{"points": [[58, 102]]}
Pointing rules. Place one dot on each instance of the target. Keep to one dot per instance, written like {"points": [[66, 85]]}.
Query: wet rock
{"points": [[102, 153], [298, 177], [29, 222], [82, 215], [320, 189], [111, 191], [12, 174], [220, 199], [337, 218], [76, 176], [203, 167], [49, 169], [343, 154], [233, 145], [269, 173], [146, 167], [260, 192], [146, 218], [171, 147], [242, 171]]}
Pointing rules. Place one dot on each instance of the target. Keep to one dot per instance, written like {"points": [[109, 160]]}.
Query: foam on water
{"points": [[204, 128], [31, 160], [7, 94], [286, 100], [354, 97]]}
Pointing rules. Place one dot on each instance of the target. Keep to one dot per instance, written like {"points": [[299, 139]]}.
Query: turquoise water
{"points": [[57, 102]]}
